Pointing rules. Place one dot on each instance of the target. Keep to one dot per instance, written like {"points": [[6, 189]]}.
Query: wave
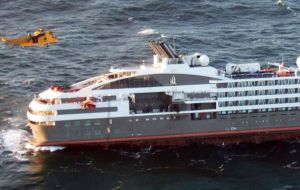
{"points": [[147, 31], [15, 142], [44, 148]]}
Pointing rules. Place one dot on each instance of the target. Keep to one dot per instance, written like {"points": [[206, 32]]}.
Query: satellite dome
{"points": [[298, 62], [204, 60]]}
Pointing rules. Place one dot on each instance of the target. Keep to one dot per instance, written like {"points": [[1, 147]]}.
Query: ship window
{"points": [[291, 100], [116, 131], [260, 83], [230, 94], [251, 93], [251, 102], [87, 133], [132, 82], [292, 90], [230, 85], [97, 123], [77, 123], [221, 104], [221, 85], [97, 132], [261, 102], [271, 101], [87, 123], [108, 98], [67, 124], [281, 91], [241, 103], [221, 94], [273, 82], [241, 93], [291, 81]]}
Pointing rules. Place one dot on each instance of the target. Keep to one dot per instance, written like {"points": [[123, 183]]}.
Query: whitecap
{"points": [[14, 141], [147, 31], [29, 81], [50, 148]]}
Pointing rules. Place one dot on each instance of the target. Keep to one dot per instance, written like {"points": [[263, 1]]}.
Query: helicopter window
{"points": [[35, 39]]}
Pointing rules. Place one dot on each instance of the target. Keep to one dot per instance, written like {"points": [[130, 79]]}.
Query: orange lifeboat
{"points": [[268, 70], [88, 104], [284, 74]]}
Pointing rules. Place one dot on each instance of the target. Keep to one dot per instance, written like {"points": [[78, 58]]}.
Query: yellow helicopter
{"points": [[39, 38]]}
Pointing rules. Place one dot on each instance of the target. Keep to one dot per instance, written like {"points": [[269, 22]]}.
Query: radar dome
{"points": [[204, 60], [298, 62]]}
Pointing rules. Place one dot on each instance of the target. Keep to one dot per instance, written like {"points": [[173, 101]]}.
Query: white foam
{"points": [[13, 141], [33, 148], [28, 82], [16, 143], [147, 31]]}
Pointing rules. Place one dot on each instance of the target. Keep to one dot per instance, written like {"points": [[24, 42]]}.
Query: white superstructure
{"points": [[173, 85]]}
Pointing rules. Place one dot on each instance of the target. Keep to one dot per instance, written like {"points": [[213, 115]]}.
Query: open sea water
{"points": [[95, 35]]}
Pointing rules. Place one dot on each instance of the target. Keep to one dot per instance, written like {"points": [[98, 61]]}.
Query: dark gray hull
{"points": [[169, 129]]}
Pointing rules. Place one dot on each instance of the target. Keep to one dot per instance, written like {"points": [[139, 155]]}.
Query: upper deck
{"points": [[167, 70]]}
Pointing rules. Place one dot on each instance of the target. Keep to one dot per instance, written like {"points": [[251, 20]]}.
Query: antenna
{"points": [[174, 47]]}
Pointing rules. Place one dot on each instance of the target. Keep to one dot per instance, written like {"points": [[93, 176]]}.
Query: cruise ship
{"points": [[177, 99]]}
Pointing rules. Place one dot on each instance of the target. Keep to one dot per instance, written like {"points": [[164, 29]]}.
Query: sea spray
{"points": [[13, 141], [16, 143]]}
